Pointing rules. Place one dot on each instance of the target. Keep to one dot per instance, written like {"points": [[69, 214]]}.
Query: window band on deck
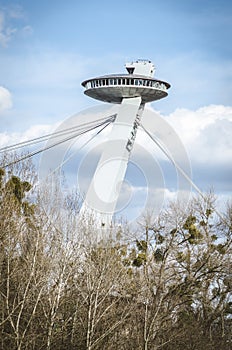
{"points": [[125, 82]]}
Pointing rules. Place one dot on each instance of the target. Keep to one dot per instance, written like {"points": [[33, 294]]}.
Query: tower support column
{"points": [[104, 190]]}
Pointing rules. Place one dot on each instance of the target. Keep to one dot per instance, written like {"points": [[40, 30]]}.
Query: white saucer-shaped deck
{"points": [[114, 88]]}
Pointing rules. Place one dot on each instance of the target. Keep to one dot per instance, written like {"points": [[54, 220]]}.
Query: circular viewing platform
{"points": [[113, 88]]}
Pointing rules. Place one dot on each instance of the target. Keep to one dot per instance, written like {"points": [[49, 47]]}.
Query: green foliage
{"points": [[228, 282], [13, 193], [158, 255], [221, 248], [130, 272], [141, 245], [2, 174], [180, 257], [159, 238], [139, 260], [28, 209], [190, 221], [203, 223], [214, 237], [208, 212], [195, 236]]}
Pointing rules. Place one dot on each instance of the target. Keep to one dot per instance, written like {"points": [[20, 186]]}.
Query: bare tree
{"points": [[21, 279], [181, 263], [167, 287]]}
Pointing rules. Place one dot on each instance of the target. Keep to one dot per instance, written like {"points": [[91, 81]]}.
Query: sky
{"points": [[47, 48]]}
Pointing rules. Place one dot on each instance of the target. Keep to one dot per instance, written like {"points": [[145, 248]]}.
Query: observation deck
{"points": [[114, 88]]}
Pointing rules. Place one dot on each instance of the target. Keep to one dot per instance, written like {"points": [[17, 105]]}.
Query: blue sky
{"points": [[47, 48], [54, 45]]}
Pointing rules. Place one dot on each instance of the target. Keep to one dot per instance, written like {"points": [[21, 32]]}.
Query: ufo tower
{"points": [[132, 91]]}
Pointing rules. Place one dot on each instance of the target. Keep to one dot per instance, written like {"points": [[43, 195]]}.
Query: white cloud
{"points": [[34, 131], [206, 133], [6, 31], [27, 30], [15, 11], [10, 24], [5, 99], [199, 139], [136, 202]]}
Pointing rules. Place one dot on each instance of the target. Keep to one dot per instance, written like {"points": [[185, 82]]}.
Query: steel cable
{"points": [[52, 135], [106, 121]]}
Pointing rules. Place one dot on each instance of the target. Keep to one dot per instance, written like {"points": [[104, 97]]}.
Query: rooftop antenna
{"points": [[132, 91]]}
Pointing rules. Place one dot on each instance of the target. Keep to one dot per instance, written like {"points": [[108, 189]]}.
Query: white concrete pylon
{"points": [[102, 196]]}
